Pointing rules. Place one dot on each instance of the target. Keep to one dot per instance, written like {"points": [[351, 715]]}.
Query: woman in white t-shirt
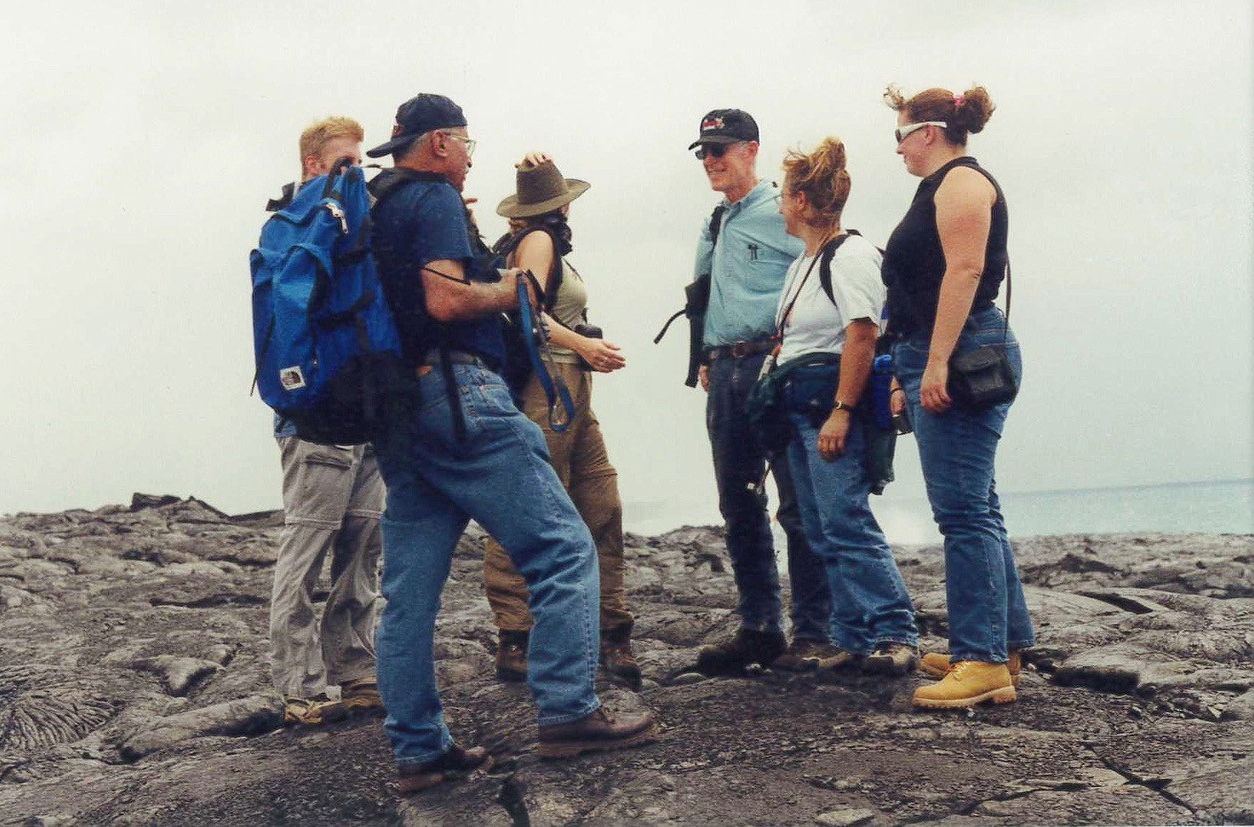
{"points": [[872, 616]]}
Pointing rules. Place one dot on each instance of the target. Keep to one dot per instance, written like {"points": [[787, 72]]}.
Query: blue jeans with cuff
{"points": [[957, 450], [500, 476], [870, 603]]}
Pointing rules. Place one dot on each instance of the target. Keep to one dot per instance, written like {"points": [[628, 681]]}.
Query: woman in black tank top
{"points": [[943, 266]]}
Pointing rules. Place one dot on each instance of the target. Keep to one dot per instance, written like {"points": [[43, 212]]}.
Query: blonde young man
{"points": [[332, 502]]}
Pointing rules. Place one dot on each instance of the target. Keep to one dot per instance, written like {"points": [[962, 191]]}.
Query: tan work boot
{"points": [[453, 764], [938, 664], [805, 655], [313, 711], [511, 656], [894, 659], [361, 697], [617, 658], [968, 683], [598, 731]]}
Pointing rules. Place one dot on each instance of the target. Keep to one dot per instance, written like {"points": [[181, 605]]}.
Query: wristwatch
{"points": [[841, 406]]}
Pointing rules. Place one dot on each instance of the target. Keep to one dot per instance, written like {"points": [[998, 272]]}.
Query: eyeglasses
{"points": [[469, 142], [713, 150], [910, 128]]}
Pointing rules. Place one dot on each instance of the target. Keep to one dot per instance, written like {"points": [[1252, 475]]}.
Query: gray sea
{"points": [[1210, 507]]}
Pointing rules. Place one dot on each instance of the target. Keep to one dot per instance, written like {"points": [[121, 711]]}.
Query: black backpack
{"points": [[696, 300], [880, 433]]}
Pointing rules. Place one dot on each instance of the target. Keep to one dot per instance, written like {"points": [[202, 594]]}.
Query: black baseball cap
{"points": [[416, 116], [726, 126]]}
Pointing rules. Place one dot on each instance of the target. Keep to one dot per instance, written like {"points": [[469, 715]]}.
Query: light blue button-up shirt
{"points": [[748, 267]]}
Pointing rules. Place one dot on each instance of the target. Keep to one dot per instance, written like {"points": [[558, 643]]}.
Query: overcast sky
{"points": [[143, 141]]}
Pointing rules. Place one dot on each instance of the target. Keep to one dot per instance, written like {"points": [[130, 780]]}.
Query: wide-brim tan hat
{"points": [[540, 189]]}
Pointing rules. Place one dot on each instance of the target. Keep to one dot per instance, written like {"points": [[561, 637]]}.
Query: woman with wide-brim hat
{"points": [[539, 209]]}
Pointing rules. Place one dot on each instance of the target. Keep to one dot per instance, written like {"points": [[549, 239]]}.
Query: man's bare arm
{"points": [[451, 297]]}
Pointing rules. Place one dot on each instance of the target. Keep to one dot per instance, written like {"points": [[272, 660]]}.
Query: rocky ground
{"points": [[134, 690]]}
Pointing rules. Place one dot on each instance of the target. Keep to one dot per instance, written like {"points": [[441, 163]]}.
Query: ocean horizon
{"points": [[1215, 507]]}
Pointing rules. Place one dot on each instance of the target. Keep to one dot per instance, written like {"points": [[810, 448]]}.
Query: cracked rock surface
{"points": [[134, 689]]}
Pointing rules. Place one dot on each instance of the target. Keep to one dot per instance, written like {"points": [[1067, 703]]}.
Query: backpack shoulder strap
{"points": [[716, 223], [391, 181], [825, 262], [286, 198]]}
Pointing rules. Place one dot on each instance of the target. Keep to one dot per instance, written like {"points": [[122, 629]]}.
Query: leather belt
{"points": [[739, 350], [455, 357]]}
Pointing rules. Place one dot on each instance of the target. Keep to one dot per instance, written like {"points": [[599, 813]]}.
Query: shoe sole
{"points": [[886, 666], [939, 674], [796, 664], [1000, 695], [417, 783], [334, 716], [735, 670], [569, 749], [841, 666]]}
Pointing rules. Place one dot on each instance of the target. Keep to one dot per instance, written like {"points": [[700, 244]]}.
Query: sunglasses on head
{"points": [[713, 150]]}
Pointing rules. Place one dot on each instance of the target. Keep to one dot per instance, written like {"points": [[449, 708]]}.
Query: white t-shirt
{"points": [[815, 324]]}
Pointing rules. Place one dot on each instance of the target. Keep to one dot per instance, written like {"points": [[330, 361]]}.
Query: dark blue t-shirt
{"points": [[421, 221]]}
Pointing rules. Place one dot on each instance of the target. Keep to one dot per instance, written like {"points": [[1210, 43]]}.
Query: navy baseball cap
{"points": [[417, 116], [726, 126]]}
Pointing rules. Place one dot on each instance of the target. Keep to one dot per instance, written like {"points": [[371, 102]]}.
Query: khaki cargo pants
{"points": [[332, 501], [583, 465]]}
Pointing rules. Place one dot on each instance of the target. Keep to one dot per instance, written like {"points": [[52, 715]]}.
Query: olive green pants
{"points": [[579, 457]]}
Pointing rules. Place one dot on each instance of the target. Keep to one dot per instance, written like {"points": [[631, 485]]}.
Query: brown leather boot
{"points": [[598, 731], [511, 656], [617, 658], [453, 764]]}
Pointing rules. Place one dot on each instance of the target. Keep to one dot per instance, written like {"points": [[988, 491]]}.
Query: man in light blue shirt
{"points": [[747, 253]]}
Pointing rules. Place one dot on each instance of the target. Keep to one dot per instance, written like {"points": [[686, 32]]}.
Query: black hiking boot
{"points": [[748, 646]]}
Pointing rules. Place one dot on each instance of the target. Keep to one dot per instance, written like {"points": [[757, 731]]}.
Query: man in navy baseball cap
{"points": [[417, 116], [446, 462]]}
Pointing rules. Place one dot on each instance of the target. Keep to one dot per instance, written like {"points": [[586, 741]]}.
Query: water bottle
{"points": [[881, 387]]}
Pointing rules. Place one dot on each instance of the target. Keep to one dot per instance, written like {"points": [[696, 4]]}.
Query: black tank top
{"points": [[914, 262]]}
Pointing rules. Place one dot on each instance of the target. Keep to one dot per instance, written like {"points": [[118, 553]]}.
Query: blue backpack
{"points": [[327, 352]]}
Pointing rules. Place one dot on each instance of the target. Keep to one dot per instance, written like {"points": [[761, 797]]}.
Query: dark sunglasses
{"points": [[713, 150]]}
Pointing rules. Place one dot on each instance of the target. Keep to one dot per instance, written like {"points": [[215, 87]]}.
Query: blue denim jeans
{"points": [[500, 476], [738, 465], [957, 451], [870, 604]]}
